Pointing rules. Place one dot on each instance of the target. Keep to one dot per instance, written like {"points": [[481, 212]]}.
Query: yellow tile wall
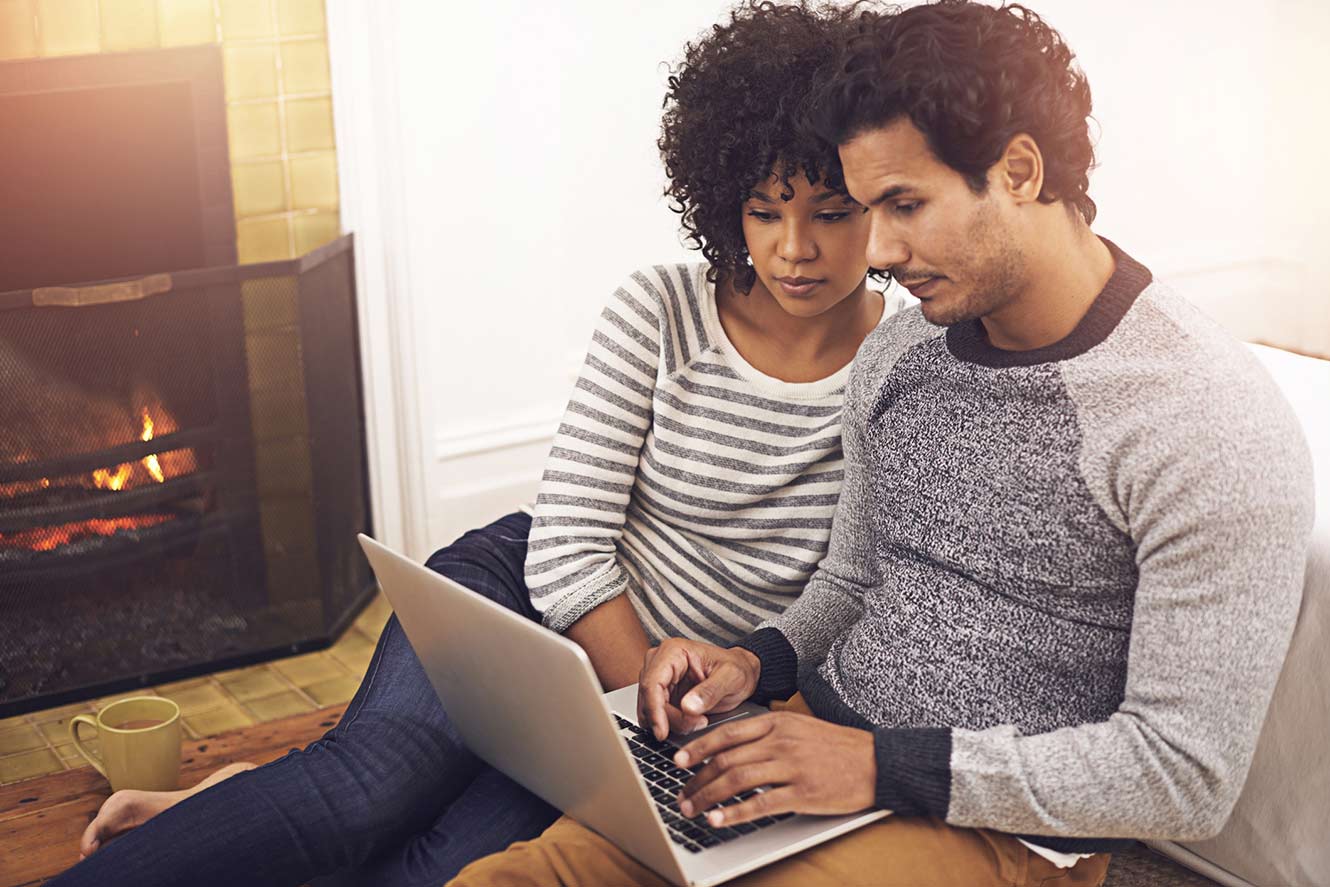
{"points": [[278, 96]]}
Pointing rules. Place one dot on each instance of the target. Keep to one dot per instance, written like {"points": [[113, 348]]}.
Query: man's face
{"points": [[953, 249]]}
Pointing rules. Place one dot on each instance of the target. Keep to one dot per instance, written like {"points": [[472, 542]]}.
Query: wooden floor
{"points": [[41, 819]]}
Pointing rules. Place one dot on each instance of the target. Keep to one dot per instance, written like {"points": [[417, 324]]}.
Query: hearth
{"points": [[181, 474]]}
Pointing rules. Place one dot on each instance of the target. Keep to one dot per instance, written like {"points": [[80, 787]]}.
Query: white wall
{"points": [[517, 173]]}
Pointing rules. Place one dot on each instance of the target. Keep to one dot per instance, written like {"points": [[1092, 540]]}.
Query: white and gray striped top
{"points": [[681, 475]]}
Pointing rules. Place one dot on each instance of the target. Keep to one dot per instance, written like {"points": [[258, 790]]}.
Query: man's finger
{"points": [[681, 723], [734, 733], [782, 799], [707, 695], [653, 693], [746, 768]]}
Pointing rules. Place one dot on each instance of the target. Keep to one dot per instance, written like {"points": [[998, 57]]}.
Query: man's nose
{"points": [[886, 249]]}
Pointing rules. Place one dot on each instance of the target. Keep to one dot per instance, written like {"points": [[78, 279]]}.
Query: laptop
{"points": [[526, 700]]}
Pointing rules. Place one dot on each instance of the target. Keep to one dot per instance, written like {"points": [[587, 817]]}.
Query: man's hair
{"points": [[969, 77], [733, 110]]}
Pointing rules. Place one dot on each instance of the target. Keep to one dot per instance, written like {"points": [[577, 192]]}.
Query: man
{"points": [[1068, 554]]}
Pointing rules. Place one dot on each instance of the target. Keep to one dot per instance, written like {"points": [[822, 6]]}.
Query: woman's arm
{"points": [[614, 640], [572, 565]]}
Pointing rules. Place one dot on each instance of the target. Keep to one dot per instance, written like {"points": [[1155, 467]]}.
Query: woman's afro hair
{"points": [[736, 106]]}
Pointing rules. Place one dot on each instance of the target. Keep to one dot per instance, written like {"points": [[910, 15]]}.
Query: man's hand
{"points": [[810, 765], [682, 680]]}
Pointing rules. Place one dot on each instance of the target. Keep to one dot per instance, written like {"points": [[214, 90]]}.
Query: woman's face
{"points": [[809, 251]]}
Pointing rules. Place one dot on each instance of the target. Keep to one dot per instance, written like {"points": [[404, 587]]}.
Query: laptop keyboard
{"points": [[664, 779]]}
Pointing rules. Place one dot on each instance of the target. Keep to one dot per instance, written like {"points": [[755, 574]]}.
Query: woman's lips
{"points": [[798, 286]]}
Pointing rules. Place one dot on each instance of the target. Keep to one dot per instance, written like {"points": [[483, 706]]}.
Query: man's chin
{"points": [[940, 314]]}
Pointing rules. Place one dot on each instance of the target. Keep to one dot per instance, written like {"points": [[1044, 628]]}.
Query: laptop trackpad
{"points": [[745, 710]]}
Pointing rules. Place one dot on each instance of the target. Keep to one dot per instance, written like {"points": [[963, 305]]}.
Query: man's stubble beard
{"points": [[997, 273]]}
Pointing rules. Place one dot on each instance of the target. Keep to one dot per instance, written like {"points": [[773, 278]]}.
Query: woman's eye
{"points": [[833, 217], [762, 216]]}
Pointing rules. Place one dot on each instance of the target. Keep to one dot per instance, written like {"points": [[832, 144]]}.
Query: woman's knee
{"points": [[491, 561]]}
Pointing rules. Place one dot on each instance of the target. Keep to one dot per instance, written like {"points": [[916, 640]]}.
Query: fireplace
{"points": [[181, 475]]}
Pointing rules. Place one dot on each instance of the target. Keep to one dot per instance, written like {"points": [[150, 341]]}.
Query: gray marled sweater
{"points": [[1061, 582]]}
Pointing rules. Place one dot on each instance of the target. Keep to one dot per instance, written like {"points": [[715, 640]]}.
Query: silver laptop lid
{"points": [[526, 701]]}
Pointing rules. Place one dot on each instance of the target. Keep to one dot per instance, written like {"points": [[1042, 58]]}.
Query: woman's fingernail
{"points": [[715, 817], [681, 759], [685, 807]]}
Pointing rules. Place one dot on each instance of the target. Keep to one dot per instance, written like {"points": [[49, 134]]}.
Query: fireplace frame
{"points": [[332, 396]]}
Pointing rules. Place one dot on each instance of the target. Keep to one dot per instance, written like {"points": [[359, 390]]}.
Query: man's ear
{"points": [[1020, 170]]}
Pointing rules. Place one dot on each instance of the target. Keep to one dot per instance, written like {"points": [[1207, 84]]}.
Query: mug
{"points": [[140, 739]]}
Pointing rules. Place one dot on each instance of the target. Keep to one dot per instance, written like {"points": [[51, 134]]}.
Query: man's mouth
{"points": [[921, 287], [798, 286]]}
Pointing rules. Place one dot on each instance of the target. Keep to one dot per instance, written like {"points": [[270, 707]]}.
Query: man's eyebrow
{"points": [[758, 195], [890, 193]]}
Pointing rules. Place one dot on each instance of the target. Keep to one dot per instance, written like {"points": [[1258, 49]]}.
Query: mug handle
{"points": [[78, 743]]}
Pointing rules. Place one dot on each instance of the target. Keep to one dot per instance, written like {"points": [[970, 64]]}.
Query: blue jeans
{"points": [[387, 797]]}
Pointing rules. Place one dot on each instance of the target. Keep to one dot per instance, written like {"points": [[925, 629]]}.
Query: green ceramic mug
{"points": [[140, 740]]}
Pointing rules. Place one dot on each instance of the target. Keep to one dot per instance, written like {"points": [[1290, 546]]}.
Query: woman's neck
{"points": [[793, 348]]}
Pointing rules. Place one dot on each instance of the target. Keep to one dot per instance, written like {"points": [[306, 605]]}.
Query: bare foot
{"points": [[129, 808]]}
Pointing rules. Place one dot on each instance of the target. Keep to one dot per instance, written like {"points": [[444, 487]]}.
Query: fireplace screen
{"points": [[181, 475]]}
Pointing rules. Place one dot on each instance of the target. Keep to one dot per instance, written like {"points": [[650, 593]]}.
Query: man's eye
{"points": [[761, 216], [833, 217], [906, 208]]}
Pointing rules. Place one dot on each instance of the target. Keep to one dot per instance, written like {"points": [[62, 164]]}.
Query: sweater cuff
{"points": [[913, 770], [778, 678]]}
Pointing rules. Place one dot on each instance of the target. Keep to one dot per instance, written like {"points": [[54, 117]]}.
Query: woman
{"points": [[689, 492]]}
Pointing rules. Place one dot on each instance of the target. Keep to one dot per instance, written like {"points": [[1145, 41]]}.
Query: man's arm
{"points": [[833, 598], [1217, 500]]}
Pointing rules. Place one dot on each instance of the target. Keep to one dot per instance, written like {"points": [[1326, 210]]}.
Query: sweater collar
{"points": [[968, 340]]}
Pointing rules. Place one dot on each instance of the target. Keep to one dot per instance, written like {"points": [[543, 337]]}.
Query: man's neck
{"points": [[1066, 272]]}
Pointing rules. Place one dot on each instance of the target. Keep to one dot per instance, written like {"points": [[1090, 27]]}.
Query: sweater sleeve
{"points": [[798, 639], [1218, 504], [571, 564]]}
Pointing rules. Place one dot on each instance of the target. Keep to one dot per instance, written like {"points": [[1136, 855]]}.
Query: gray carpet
{"points": [[1139, 866]]}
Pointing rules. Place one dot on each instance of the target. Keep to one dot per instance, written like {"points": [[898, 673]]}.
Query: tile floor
{"points": [[38, 743]]}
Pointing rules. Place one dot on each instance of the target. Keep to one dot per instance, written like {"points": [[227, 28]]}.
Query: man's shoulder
{"points": [[1171, 381], [1187, 351], [892, 339]]}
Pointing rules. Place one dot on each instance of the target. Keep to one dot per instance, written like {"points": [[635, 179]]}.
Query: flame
{"points": [[51, 538], [105, 480], [126, 475], [150, 462]]}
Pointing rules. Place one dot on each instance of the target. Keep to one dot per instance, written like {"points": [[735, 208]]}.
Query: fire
{"points": [[51, 538], [150, 462], [105, 480], [120, 476], [155, 467]]}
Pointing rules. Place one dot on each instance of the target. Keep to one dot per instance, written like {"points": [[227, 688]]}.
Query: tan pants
{"points": [[893, 852]]}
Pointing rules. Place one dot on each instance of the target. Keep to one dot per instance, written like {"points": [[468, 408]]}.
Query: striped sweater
{"points": [[681, 475]]}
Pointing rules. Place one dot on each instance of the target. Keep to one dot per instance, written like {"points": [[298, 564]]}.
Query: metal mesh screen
{"points": [[181, 478]]}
